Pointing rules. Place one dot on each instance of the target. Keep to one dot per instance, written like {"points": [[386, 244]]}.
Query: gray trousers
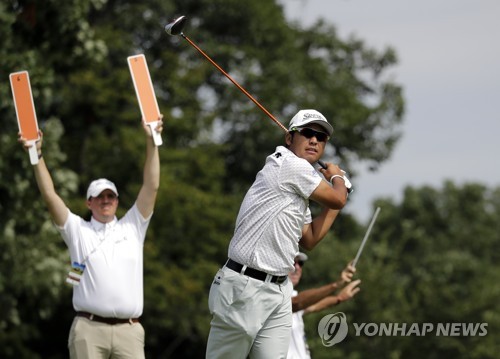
{"points": [[250, 318]]}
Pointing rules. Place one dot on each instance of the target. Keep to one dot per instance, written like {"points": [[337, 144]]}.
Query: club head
{"points": [[175, 26]]}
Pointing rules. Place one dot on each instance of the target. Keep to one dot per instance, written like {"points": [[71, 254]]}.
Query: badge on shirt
{"points": [[75, 274]]}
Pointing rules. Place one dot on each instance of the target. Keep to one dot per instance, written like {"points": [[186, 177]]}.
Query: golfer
{"points": [[250, 297], [107, 260]]}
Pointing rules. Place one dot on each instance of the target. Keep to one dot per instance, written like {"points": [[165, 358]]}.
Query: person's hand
{"points": [[331, 170], [349, 291], [158, 128], [346, 275], [27, 145]]}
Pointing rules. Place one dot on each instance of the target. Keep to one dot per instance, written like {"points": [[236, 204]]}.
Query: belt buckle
{"points": [[280, 280]]}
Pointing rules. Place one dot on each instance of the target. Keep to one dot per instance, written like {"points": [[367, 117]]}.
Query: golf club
{"points": [[176, 26], [355, 261]]}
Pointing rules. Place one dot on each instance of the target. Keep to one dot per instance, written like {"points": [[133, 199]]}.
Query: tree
{"points": [[33, 261], [215, 140], [433, 258]]}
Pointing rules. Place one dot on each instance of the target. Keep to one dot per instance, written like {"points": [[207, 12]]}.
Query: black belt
{"points": [[254, 273], [110, 321]]}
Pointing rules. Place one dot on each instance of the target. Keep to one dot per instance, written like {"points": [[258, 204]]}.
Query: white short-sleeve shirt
{"points": [[298, 348], [273, 213], [112, 283]]}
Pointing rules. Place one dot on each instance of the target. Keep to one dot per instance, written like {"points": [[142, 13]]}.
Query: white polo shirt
{"points": [[112, 283], [273, 212]]}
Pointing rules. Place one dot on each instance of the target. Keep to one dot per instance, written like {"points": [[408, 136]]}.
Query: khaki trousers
{"points": [[93, 340], [250, 318]]}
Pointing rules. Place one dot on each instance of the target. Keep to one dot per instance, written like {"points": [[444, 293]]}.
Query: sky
{"points": [[449, 68]]}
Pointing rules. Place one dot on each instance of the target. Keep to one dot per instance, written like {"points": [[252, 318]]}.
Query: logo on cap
{"points": [[314, 115]]}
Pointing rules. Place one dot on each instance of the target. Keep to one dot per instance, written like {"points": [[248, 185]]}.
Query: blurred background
{"points": [[447, 63], [431, 257]]}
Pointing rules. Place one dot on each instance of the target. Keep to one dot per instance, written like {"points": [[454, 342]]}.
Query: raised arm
{"points": [[333, 198], [332, 195], [345, 294], [57, 209], [307, 299], [151, 175], [315, 231]]}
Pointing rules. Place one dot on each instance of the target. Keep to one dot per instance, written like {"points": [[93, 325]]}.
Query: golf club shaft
{"points": [[235, 83], [355, 261], [321, 163]]}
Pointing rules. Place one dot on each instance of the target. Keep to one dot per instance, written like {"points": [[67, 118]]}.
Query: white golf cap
{"points": [[306, 117], [99, 185], [301, 257]]}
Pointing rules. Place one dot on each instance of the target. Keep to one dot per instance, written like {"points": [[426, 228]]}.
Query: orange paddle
{"points": [[145, 93], [25, 111]]}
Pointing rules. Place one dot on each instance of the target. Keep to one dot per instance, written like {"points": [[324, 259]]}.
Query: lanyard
{"points": [[102, 239]]}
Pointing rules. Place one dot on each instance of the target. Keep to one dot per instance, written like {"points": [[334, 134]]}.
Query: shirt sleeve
{"points": [[299, 176], [70, 227], [134, 220], [71, 234]]}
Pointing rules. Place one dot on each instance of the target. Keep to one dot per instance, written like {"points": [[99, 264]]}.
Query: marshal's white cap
{"points": [[99, 185]]}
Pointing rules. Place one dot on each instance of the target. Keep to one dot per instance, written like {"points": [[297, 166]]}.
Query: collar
{"points": [[99, 226], [283, 150]]}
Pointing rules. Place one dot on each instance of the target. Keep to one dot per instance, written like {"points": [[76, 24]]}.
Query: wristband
{"points": [[333, 177], [347, 183]]}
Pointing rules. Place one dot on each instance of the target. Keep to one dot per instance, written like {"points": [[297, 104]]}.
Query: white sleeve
{"points": [[299, 176], [134, 220], [71, 234]]}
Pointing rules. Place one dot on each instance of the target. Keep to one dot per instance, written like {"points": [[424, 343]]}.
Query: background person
{"points": [[107, 260], [315, 300], [250, 297]]}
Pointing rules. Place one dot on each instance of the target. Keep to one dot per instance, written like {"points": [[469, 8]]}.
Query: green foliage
{"points": [[215, 140], [33, 258], [430, 259]]}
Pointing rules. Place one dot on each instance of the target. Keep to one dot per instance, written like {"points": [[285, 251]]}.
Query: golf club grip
{"points": [[322, 164]]}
